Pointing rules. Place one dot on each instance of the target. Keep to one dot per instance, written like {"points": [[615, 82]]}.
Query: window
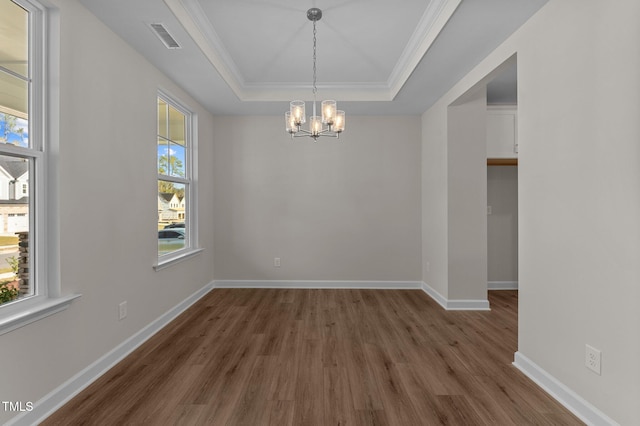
{"points": [[26, 287], [20, 153], [176, 180]]}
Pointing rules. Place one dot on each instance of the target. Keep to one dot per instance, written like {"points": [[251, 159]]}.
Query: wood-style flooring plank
{"points": [[338, 408], [280, 413], [322, 357], [251, 407], [308, 408]]}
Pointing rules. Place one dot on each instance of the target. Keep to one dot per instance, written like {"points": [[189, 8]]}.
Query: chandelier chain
{"points": [[315, 89]]}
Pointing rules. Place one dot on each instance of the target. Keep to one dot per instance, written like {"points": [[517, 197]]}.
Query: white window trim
{"points": [[33, 311], [44, 220], [191, 207]]}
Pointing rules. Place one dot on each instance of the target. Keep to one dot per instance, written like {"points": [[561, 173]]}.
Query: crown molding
{"points": [[195, 22], [431, 24]]}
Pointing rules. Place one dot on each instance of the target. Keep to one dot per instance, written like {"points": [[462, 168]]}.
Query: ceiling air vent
{"points": [[164, 36]]}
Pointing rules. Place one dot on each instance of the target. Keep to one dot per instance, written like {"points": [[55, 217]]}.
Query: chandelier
{"points": [[331, 117]]}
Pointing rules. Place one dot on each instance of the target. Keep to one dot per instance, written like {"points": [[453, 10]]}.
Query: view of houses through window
{"points": [[173, 177], [17, 153]]}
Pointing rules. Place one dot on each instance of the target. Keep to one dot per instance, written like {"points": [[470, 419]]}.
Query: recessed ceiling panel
{"points": [[272, 41]]}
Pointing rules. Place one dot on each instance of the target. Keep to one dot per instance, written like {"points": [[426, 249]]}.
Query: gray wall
{"points": [[466, 198], [346, 209], [502, 224]]}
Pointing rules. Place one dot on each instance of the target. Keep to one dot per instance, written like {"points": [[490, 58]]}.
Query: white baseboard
{"points": [[63, 393], [380, 285], [565, 396], [442, 301], [452, 305], [468, 305], [502, 285], [455, 304]]}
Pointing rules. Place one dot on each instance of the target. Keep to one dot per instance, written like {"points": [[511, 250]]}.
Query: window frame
{"points": [[46, 299], [190, 181]]}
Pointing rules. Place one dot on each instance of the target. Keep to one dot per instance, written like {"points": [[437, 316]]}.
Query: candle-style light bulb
{"points": [[316, 125], [328, 112], [339, 124], [290, 123], [297, 112]]}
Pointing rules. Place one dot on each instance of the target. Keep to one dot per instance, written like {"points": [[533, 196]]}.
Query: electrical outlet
{"points": [[276, 262], [488, 209], [592, 359], [122, 310]]}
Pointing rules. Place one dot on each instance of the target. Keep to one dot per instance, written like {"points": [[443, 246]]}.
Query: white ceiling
{"points": [[374, 56]]}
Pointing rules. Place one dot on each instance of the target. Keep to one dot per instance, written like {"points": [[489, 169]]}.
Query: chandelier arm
{"points": [[301, 133]]}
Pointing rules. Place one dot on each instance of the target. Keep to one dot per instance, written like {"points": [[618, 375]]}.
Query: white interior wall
{"points": [[467, 198], [580, 233], [108, 211], [435, 243], [502, 224], [331, 210], [579, 203]]}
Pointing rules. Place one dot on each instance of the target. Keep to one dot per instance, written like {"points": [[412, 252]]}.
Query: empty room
{"points": [[331, 212]]}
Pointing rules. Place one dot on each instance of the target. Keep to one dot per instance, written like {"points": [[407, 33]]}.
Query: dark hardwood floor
{"points": [[322, 357]]}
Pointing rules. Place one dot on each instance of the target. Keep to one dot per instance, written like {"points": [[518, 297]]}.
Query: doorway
{"points": [[502, 227], [502, 180]]}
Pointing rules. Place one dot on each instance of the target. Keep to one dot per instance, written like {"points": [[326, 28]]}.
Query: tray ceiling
{"points": [[374, 56]]}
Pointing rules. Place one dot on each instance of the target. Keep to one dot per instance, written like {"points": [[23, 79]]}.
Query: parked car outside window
{"points": [[170, 240]]}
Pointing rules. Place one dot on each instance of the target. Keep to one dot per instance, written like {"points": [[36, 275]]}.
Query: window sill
{"points": [[169, 260], [36, 312]]}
